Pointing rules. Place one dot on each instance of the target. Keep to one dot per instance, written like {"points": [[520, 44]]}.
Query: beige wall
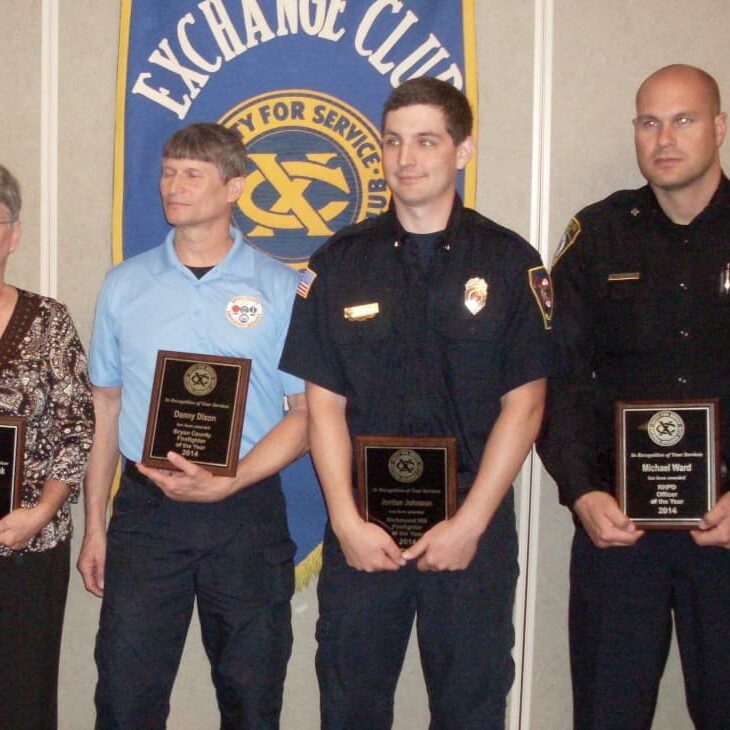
{"points": [[601, 51]]}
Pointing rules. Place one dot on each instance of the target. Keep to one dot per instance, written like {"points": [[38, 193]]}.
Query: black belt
{"points": [[130, 471]]}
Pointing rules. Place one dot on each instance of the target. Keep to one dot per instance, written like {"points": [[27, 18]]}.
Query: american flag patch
{"points": [[306, 279]]}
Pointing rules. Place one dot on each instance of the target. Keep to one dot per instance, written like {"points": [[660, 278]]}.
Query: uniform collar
{"points": [[450, 236], [719, 204]]}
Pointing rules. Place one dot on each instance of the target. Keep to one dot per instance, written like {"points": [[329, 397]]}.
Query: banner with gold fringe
{"points": [[303, 82]]}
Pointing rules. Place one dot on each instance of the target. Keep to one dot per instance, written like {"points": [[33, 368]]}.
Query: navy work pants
{"points": [[464, 627], [621, 606], [235, 558]]}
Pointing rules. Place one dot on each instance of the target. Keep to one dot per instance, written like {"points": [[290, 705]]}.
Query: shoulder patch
{"points": [[569, 237], [542, 290], [306, 279]]}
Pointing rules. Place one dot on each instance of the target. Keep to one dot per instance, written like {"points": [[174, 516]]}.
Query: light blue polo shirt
{"points": [[152, 302]]}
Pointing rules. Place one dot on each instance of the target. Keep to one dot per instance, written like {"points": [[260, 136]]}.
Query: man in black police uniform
{"points": [[428, 320], [641, 316]]}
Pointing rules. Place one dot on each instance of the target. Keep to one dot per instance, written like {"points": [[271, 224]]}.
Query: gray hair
{"points": [[10, 193]]}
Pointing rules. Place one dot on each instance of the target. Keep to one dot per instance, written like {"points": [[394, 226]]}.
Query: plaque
{"points": [[196, 410], [12, 446], [667, 461], [406, 484]]}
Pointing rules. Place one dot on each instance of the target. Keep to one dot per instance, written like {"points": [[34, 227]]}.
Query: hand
{"points": [[448, 545], [18, 526], [714, 528], [90, 564], [604, 521], [368, 547], [192, 483]]}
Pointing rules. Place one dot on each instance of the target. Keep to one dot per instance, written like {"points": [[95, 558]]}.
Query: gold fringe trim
{"points": [[308, 568]]}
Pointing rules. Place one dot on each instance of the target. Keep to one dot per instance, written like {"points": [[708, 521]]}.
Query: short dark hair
{"points": [[10, 193], [434, 92], [212, 143]]}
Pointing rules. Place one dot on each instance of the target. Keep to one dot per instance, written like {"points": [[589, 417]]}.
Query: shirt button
{"points": [[683, 286], [681, 380], [683, 333]]}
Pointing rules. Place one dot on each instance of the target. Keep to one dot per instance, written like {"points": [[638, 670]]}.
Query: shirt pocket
{"points": [[627, 317], [473, 347]]}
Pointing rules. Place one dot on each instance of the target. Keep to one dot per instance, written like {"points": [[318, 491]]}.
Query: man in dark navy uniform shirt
{"points": [[429, 320], [642, 316]]}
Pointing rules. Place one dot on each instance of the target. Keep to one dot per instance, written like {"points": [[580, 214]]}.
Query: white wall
{"points": [[597, 52]]}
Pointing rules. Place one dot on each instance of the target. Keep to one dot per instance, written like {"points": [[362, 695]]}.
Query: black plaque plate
{"points": [[12, 446], [196, 410], [406, 484], [667, 461]]}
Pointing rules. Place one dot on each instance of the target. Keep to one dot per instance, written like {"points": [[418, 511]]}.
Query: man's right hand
{"points": [[603, 520], [368, 547], [91, 563]]}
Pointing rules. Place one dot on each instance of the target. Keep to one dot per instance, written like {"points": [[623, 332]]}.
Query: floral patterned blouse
{"points": [[43, 378]]}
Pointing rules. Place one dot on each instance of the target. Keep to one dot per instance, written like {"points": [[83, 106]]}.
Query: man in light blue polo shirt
{"points": [[178, 536]]}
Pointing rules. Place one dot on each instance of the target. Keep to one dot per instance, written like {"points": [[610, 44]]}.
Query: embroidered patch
{"points": [[569, 237], [244, 311], [306, 279], [475, 294], [542, 289]]}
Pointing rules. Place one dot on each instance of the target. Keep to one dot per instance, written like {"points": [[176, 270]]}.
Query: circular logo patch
{"points": [[244, 311], [666, 428], [200, 379], [405, 465], [315, 166]]}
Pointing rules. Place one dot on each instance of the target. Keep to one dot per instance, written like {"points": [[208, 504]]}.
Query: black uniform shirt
{"points": [[398, 341], [639, 316]]}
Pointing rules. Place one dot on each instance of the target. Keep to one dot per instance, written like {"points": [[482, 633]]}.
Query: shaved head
{"points": [[683, 72]]}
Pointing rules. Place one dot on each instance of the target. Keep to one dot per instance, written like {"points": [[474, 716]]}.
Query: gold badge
{"points": [[475, 294], [361, 312]]}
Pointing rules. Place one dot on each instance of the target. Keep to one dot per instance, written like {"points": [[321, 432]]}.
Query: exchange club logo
{"points": [[405, 465], [314, 167], [200, 379], [666, 428]]}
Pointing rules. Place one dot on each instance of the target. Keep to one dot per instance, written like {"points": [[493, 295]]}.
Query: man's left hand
{"points": [[446, 546], [192, 483], [714, 528]]}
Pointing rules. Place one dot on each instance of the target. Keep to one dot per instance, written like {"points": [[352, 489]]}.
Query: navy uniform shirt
{"points": [[400, 343], [640, 316]]}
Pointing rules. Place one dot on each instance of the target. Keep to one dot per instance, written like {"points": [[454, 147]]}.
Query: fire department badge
{"points": [[475, 294], [244, 312], [542, 290]]}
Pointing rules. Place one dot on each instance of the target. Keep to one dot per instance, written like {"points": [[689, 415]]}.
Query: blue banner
{"points": [[303, 82]]}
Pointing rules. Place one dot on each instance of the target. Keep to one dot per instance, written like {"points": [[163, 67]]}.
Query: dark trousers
{"points": [[465, 635], [33, 590], [621, 606], [236, 558]]}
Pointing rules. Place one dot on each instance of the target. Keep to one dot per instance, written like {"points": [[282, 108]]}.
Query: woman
{"points": [[43, 380]]}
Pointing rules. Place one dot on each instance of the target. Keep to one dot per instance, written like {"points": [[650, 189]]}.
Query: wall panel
{"points": [[600, 52]]}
